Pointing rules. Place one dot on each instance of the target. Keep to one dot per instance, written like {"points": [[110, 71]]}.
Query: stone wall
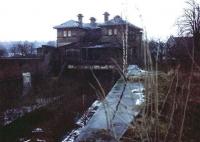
{"points": [[11, 68]]}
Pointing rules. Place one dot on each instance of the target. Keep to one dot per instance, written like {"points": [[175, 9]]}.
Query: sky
{"points": [[34, 19]]}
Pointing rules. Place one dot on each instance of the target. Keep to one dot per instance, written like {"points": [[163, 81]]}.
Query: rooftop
{"points": [[117, 20], [76, 24]]}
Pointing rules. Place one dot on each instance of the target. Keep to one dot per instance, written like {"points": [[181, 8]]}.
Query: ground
{"points": [[172, 112]]}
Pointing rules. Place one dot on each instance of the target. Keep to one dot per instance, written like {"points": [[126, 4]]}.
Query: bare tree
{"points": [[51, 43], [189, 23], [13, 50], [29, 48], [157, 50], [22, 49], [3, 51]]}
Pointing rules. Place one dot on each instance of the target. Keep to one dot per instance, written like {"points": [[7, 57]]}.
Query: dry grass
{"points": [[166, 115]]}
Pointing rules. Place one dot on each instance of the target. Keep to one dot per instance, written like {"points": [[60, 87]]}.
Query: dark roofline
{"points": [[70, 28], [85, 26], [98, 26], [79, 45], [129, 24], [116, 21], [179, 38]]}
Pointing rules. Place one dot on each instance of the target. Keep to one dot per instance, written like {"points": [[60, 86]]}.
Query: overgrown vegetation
{"points": [[58, 117], [171, 111]]}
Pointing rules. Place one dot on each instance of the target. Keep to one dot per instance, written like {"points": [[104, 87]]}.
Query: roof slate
{"points": [[68, 24], [181, 42], [76, 24], [117, 20]]}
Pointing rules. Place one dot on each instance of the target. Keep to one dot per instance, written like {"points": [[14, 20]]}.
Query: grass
{"points": [[171, 110]]}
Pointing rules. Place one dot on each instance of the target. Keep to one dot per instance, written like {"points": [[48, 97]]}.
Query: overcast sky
{"points": [[34, 19]]}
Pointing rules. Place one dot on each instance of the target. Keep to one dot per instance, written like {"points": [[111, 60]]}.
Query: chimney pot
{"points": [[80, 19], [106, 16], [117, 17], [92, 20]]}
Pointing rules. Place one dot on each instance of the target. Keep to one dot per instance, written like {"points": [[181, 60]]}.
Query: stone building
{"points": [[98, 43]]}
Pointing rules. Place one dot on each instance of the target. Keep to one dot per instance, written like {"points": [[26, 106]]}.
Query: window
{"points": [[115, 31], [112, 32], [65, 33], [59, 33], [69, 33], [109, 32], [105, 31]]}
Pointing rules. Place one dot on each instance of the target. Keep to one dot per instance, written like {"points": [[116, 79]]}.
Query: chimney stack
{"points": [[92, 20], [80, 19], [117, 17], [106, 16]]}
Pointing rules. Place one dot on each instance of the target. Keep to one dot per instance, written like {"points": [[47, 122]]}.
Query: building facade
{"points": [[179, 48], [98, 43]]}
